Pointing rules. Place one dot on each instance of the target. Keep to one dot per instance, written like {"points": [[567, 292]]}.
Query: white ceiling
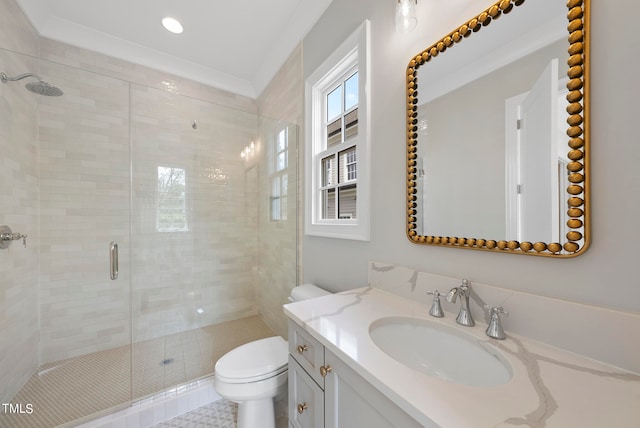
{"points": [[236, 45]]}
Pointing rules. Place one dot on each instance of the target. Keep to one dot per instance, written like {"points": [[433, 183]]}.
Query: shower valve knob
{"points": [[7, 235]]}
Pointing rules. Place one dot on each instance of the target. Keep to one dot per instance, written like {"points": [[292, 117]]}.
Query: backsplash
{"points": [[592, 331]]}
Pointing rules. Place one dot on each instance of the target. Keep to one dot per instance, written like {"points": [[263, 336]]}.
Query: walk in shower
{"points": [[110, 166]]}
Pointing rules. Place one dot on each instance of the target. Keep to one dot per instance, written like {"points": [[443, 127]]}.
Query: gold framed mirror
{"points": [[497, 132]]}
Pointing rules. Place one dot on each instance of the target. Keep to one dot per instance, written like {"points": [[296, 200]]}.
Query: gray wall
{"points": [[604, 275]]}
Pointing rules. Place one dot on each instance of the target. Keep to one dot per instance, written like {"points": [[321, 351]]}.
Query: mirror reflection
{"points": [[489, 121]]}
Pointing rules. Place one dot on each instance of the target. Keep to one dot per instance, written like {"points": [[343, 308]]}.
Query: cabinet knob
{"points": [[302, 348], [302, 407], [324, 370]]}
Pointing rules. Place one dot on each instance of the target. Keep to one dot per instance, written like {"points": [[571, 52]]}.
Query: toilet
{"points": [[256, 372]]}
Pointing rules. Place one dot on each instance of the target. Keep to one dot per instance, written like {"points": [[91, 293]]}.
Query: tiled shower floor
{"points": [[71, 389]]}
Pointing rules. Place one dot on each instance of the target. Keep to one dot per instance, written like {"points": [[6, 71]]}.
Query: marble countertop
{"points": [[549, 387]]}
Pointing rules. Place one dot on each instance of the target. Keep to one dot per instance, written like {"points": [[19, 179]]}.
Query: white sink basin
{"points": [[441, 351]]}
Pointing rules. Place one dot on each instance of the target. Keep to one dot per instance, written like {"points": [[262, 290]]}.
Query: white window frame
{"points": [[354, 51]]}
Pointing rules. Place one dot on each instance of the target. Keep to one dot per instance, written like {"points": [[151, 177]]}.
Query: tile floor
{"points": [[75, 388], [219, 414]]}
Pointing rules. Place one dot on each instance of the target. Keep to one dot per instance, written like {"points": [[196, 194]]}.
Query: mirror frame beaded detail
{"points": [[577, 132]]}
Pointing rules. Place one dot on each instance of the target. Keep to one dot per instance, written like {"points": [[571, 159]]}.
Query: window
{"points": [[337, 144], [279, 177], [172, 204]]}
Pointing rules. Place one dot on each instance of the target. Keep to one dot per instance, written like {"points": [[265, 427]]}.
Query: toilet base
{"points": [[256, 413]]}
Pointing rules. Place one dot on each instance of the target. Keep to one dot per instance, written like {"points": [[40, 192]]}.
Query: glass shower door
{"points": [[84, 207], [194, 237]]}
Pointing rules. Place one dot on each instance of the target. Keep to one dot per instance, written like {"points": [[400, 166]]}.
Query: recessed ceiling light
{"points": [[172, 25]]}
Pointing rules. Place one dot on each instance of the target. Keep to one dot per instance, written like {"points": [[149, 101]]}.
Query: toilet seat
{"points": [[254, 361]]}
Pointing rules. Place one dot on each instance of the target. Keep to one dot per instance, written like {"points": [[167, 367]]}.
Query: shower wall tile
{"points": [[103, 64], [84, 205], [283, 98], [18, 210], [279, 262], [16, 32]]}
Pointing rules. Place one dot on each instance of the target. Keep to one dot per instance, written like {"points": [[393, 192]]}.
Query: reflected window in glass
{"points": [[279, 143], [172, 200]]}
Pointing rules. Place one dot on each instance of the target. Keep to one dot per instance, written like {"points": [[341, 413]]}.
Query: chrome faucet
{"points": [[464, 291]]}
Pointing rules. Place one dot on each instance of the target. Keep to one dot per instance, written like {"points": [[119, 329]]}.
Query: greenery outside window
{"points": [[172, 201]]}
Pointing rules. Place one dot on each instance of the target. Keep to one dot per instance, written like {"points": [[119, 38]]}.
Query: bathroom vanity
{"points": [[325, 392], [340, 377]]}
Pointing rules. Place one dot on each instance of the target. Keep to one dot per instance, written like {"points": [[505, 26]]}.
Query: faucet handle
{"points": [[495, 330], [495, 310], [436, 308], [465, 287]]}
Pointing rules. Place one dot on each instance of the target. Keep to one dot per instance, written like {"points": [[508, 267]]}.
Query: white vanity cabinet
{"points": [[339, 399]]}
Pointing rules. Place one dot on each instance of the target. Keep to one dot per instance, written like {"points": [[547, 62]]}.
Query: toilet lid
{"points": [[253, 361]]}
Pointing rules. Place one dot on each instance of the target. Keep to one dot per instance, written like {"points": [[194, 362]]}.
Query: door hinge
{"points": [[518, 123]]}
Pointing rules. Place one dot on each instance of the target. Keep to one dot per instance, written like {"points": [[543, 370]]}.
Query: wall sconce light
{"points": [[248, 150], [406, 16]]}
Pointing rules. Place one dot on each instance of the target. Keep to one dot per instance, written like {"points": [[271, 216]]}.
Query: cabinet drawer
{"points": [[307, 351], [306, 399]]}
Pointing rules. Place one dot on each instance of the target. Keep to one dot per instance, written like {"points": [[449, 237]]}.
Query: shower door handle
{"points": [[113, 259]]}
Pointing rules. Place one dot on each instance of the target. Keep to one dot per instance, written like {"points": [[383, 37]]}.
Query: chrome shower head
{"points": [[40, 87], [43, 88]]}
